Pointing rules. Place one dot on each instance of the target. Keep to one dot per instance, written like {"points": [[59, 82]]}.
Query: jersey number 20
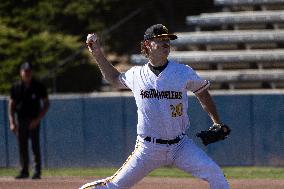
{"points": [[176, 110]]}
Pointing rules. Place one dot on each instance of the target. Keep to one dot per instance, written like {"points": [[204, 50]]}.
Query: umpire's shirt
{"points": [[28, 99]]}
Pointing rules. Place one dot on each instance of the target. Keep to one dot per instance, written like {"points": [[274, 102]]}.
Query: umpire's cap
{"points": [[26, 66], [158, 30]]}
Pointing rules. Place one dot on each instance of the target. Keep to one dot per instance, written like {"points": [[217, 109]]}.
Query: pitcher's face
{"points": [[159, 47]]}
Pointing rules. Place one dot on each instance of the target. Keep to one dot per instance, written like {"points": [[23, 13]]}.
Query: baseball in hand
{"points": [[91, 38]]}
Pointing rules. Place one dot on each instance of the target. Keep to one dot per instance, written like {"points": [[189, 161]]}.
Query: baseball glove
{"points": [[213, 134]]}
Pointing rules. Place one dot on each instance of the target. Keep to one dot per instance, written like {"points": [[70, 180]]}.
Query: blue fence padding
{"points": [[12, 146], [3, 135], [236, 111], [268, 128], [225, 152], [130, 120], [64, 134], [198, 119], [84, 131], [43, 143], [104, 135]]}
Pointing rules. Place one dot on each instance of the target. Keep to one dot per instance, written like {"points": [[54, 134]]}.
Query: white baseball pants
{"points": [[148, 156]]}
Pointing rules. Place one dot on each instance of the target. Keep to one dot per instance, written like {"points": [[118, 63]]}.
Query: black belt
{"points": [[161, 141]]}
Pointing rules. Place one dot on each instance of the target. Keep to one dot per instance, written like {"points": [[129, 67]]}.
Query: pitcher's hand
{"points": [[92, 42]]}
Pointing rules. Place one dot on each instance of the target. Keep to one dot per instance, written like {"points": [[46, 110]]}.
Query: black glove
{"points": [[213, 134]]}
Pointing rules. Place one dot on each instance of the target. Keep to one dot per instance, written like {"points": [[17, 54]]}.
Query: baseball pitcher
{"points": [[160, 90]]}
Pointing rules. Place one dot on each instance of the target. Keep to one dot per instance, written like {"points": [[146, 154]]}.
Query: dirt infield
{"points": [[147, 183]]}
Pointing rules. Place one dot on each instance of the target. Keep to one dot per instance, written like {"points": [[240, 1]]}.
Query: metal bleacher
{"points": [[238, 5], [247, 2], [263, 19], [236, 39], [221, 57], [234, 49]]}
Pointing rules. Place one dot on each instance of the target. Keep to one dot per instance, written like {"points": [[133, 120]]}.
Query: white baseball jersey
{"points": [[162, 114], [162, 100]]}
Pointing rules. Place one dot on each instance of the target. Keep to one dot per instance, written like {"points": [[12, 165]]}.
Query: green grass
{"points": [[254, 172], [230, 172]]}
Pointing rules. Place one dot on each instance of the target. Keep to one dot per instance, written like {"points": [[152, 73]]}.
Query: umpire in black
{"points": [[28, 103]]}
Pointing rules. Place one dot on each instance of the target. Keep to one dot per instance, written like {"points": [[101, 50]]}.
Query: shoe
{"points": [[36, 176], [22, 176]]}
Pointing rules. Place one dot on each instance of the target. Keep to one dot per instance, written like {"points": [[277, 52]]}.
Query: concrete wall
{"points": [[100, 131]]}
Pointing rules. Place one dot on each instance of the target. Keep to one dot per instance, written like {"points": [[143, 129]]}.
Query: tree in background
{"points": [[44, 33], [45, 50]]}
